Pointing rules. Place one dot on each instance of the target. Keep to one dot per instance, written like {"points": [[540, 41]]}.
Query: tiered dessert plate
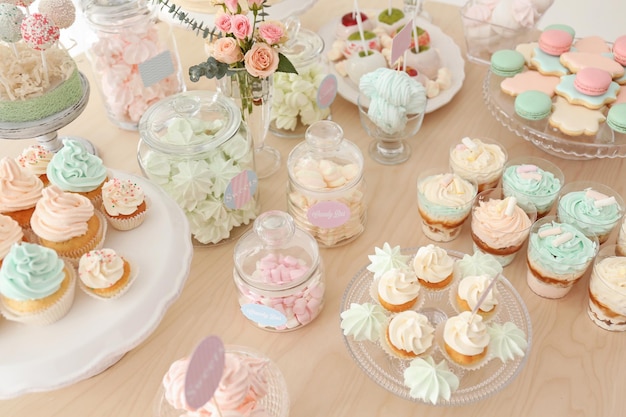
{"points": [[474, 385], [546, 138], [95, 334], [449, 51]]}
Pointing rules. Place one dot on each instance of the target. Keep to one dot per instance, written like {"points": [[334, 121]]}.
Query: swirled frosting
{"points": [[621, 238], [478, 263], [74, 169], [580, 207], [481, 162], [472, 287], [100, 268], [506, 341], [538, 186], [492, 224], [411, 332], [60, 216], [432, 263], [121, 197], [445, 195], [174, 384], [549, 250], [386, 258], [398, 286], [10, 233], [608, 283], [430, 381], [466, 334], [35, 158], [363, 321], [19, 188], [30, 272]]}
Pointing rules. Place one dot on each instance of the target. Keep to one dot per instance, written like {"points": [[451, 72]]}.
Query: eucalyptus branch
{"points": [[182, 16]]}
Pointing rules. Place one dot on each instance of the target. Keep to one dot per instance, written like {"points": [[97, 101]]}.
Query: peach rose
{"points": [[272, 32], [223, 22], [261, 60], [241, 26], [227, 50]]}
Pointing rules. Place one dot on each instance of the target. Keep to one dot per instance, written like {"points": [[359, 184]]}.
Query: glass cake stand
{"points": [[438, 305], [544, 136], [46, 129]]}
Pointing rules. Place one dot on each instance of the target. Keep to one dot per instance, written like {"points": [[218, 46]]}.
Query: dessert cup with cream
{"points": [[558, 255], [607, 290], [444, 202], [480, 160], [499, 225]]}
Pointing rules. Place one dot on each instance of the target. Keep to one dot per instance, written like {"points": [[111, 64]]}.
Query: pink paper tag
{"points": [[401, 42], [328, 214], [240, 189], [204, 372], [327, 91]]}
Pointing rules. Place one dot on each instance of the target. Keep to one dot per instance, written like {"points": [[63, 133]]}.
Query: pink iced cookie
{"points": [[567, 89], [575, 61], [575, 120], [39, 32], [555, 41], [592, 44], [529, 80]]}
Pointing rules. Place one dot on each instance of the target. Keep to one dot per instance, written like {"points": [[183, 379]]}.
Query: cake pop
{"points": [[39, 32], [10, 20], [61, 12]]}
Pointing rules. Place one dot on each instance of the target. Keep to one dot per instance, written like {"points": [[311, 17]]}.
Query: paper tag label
{"points": [[157, 68], [264, 315], [401, 42], [204, 371], [328, 214], [327, 91], [240, 189]]}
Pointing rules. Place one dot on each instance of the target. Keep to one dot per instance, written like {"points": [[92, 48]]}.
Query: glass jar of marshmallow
{"points": [[297, 99], [278, 273], [196, 147], [133, 56], [326, 190]]}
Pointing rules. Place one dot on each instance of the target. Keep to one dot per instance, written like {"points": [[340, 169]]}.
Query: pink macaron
{"points": [[555, 41], [619, 50], [592, 81]]}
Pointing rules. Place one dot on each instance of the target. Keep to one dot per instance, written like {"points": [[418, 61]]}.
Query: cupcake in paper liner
{"points": [[124, 203], [36, 285], [465, 293], [407, 335], [105, 275], [397, 290], [464, 341]]}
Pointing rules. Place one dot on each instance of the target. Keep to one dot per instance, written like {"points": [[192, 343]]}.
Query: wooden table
{"points": [[574, 368]]}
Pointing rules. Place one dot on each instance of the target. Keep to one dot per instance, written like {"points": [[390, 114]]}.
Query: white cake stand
{"points": [[46, 130]]}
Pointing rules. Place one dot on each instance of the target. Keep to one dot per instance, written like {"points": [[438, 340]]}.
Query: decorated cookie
{"points": [[575, 61], [548, 64], [530, 80], [575, 120], [592, 44], [568, 89], [526, 49]]}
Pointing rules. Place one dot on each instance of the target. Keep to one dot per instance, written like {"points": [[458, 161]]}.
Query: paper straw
{"points": [[483, 297], [359, 24]]}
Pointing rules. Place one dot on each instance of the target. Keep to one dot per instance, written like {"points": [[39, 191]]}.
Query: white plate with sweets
{"points": [[449, 53], [95, 334], [476, 382]]}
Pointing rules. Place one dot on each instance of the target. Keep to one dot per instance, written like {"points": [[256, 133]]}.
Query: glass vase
{"points": [[253, 95]]}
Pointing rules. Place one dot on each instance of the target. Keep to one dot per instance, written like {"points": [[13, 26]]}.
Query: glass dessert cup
{"points": [[389, 147], [592, 220], [607, 293], [505, 238], [551, 276], [529, 192], [484, 165]]}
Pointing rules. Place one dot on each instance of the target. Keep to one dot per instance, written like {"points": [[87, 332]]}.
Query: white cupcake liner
{"points": [[51, 314], [126, 223], [134, 272], [439, 340]]}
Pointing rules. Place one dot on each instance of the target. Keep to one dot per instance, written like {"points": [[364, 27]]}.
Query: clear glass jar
{"points": [[296, 103], [326, 191], [133, 56], [195, 146], [279, 273]]}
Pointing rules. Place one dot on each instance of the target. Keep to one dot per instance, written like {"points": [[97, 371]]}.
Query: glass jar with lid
{"points": [[196, 147], [279, 273], [326, 191], [133, 56], [296, 101]]}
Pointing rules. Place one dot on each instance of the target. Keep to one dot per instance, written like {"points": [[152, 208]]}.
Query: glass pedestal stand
{"points": [[46, 130]]}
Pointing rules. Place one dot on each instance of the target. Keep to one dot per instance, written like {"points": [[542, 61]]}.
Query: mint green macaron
{"points": [[616, 118], [507, 62], [533, 105]]}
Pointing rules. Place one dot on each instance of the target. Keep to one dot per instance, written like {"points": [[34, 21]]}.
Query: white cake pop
{"points": [[23, 3], [10, 20], [39, 32], [61, 12]]}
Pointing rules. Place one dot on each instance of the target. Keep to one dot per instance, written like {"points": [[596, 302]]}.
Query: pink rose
{"points": [[261, 60], [223, 22], [240, 26], [227, 50], [231, 5], [272, 32]]}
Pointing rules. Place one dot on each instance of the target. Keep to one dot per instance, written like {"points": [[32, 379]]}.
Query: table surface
{"points": [[573, 366]]}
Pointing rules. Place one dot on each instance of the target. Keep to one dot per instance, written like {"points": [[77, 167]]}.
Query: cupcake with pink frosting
{"points": [[19, 191], [10, 233]]}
